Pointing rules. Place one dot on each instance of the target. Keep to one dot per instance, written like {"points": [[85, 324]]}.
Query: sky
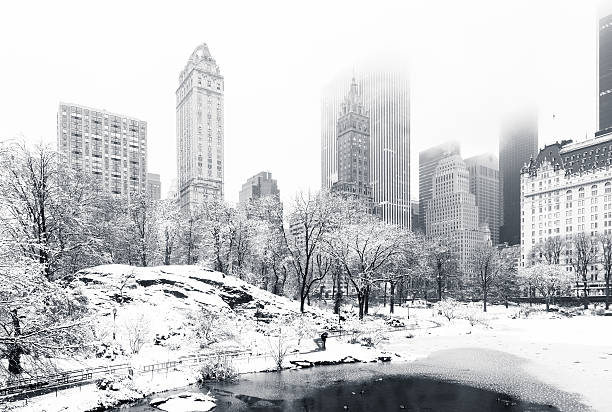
{"points": [[471, 62]]}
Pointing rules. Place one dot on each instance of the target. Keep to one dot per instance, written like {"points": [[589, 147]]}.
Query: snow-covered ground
{"points": [[572, 354]]}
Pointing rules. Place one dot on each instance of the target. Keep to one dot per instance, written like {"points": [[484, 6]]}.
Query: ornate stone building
{"points": [[385, 94], [353, 148], [199, 129], [565, 190]]}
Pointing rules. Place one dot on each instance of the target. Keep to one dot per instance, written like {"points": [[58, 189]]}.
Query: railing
{"points": [[50, 382]]}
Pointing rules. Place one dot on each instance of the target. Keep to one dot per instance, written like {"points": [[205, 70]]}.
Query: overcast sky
{"points": [[470, 62]]}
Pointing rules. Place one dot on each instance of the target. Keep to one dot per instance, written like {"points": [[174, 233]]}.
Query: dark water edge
{"points": [[360, 388]]}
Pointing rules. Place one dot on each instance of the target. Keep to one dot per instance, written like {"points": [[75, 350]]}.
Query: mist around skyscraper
{"points": [[323, 206]]}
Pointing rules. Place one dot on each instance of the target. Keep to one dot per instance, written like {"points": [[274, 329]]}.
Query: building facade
{"points": [[353, 148], [199, 129], [428, 161], [566, 190], [604, 71], [386, 99], [110, 147], [258, 186], [484, 185], [518, 142], [452, 212], [154, 186]]}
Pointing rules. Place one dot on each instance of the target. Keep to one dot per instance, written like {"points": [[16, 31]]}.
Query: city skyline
{"points": [[148, 92]]}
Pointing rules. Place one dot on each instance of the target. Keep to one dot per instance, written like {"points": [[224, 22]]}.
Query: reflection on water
{"points": [[371, 388]]}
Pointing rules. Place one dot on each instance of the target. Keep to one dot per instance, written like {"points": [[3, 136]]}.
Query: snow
{"points": [[185, 402], [572, 354]]}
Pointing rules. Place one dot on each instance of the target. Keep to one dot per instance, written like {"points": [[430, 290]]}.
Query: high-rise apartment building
{"points": [[199, 129], [604, 70], [452, 212], [353, 148], [566, 190], [484, 185], [428, 161], [386, 98], [154, 186], [258, 186], [518, 142], [109, 146]]}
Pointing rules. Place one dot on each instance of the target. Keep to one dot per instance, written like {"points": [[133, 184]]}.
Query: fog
{"points": [[470, 63]]}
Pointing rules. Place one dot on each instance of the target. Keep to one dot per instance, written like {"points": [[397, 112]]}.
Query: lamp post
{"points": [[114, 321]]}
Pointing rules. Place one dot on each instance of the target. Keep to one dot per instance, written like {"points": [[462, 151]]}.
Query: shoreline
{"points": [[575, 367]]}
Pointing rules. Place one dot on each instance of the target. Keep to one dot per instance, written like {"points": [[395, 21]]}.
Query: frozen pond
{"points": [[433, 384]]}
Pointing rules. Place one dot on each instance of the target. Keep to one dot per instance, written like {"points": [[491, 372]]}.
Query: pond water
{"points": [[358, 387]]}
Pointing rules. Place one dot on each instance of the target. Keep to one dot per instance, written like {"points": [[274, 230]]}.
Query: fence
{"points": [[40, 384]]}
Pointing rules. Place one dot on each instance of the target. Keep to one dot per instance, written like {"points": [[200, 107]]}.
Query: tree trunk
{"points": [[484, 300], [367, 300], [440, 288], [586, 294], [607, 292], [15, 350], [392, 297], [385, 296], [360, 301], [547, 304]]}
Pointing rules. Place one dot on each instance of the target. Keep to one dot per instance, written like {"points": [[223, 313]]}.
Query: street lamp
{"points": [[114, 320]]}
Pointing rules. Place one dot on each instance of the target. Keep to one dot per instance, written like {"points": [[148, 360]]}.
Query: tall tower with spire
{"points": [[199, 129], [384, 90], [353, 147]]}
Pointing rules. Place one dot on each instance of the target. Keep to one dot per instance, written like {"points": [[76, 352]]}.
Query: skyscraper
{"points": [[428, 161], [484, 185], [109, 146], [386, 99], [199, 129], [154, 186], [258, 186], [452, 212], [353, 148], [518, 142], [604, 71]]}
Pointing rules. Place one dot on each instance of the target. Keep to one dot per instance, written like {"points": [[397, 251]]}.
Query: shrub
{"points": [[217, 368], [137, 332], [449, 308], [474, 317]]}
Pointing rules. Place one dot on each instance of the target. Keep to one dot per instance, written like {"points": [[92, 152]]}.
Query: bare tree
{"points": [[548, 280], [548, 251], [486, 266], [310, 221], [585, 247], [137, 331], [169, 222], [443, 263], [40, 319], [507, 284], [142, 214], [606, 260], [48, 209], [363, 248]]}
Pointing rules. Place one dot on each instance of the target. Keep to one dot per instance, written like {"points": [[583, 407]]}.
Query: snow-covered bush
{"points": [[137, 330], [217, 368], [368, 334], [599, 311], [474, 316], [449, 308], [278, 341]]}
